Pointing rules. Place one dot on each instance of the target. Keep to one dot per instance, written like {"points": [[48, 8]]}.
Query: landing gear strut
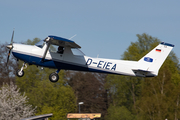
{"points": [[54, 77], [20, 72]]}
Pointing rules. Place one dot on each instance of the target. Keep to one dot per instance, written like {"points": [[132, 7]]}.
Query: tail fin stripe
{"points": [[167, 44]]}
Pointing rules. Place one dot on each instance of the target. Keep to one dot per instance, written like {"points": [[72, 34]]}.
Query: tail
{"points": [[150, 64]]}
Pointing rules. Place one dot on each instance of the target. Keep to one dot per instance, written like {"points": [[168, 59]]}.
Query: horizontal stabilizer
{"points": [[143, 73]]}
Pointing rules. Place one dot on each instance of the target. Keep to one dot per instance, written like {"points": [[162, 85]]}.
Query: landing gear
{"points": [[20, 72], [54, 77]]}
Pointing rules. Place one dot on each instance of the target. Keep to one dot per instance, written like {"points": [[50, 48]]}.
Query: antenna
{"points": [[72, 37]]}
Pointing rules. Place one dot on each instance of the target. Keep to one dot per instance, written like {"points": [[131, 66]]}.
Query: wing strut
{"points": [[46, 49]]}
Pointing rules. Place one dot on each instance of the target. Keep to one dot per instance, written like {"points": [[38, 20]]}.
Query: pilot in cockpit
{"points": [[60, 50]]}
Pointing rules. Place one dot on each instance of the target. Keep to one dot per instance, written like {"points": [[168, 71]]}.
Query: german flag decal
{"points": [[158, 50]]}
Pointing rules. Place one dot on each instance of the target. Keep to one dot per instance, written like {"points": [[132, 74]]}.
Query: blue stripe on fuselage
{"points": [[56, 64], [49, 63], [34, 60]]}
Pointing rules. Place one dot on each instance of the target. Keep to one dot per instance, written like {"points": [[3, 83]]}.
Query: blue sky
{"points": [[102, 27]]}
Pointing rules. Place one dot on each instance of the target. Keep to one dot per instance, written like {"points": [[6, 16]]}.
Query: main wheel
{"points": [[19, 73], [53, 77]]}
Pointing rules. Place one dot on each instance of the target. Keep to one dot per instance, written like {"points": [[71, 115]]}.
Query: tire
{"points": [[53, 77], [20, 73]]}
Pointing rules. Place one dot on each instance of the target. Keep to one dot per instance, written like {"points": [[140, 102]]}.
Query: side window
{"points": [[60, 50], [77, 52], [56, 49], [53, 48], [40, 44]]}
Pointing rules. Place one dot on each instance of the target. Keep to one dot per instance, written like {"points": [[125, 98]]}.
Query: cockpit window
{"points": [[77, 52], [40, 44], [53, 48]]}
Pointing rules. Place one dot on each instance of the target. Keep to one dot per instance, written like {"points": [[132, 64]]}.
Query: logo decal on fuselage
{"points": [[148, 59], [102, 64]]}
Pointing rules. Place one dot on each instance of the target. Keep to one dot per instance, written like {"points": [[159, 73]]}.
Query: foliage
{"points": [[125, 97], [147, 98], [13, 104], [123, 91], [57, 98], [160, 95], [140, 48], [32, 42], [89, 88], [119, 113], [8, 71]]}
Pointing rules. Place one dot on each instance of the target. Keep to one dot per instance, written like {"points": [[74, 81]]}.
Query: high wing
{"points": [[59, 41], [63, 42]]}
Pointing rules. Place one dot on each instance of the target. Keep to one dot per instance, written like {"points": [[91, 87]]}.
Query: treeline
{"points": [[116, 97], [139, 98]]}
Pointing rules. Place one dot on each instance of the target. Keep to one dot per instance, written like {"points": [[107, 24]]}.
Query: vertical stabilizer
{"points": [[155, 58]]}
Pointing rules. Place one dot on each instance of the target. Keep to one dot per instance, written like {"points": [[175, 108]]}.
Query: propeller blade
{"points": [[8, 57], [12, 37], [10, 47]]}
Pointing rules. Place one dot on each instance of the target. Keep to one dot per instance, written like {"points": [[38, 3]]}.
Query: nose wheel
{"points": [[20, 72]]}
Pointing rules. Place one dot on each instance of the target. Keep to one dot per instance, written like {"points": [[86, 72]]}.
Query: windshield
{"points": [[40, 44], [78, 52]]}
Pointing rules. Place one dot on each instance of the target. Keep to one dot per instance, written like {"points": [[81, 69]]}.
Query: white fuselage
{"points": [[33, 55]]}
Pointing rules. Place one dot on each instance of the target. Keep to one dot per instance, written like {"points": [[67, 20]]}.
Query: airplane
{"points": [[69, 57]]}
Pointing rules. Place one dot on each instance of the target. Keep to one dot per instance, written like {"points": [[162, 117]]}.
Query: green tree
{"points": [[89, 88], [124, 91], [160, 95], [140, 48], [32, 42], [57, 98], [130, 91], [119, 113]]}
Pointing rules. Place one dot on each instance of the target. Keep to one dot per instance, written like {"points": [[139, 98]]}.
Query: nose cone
{"points": [[9, 46]]}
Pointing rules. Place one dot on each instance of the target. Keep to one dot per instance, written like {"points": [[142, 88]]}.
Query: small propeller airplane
{"points": [[69, 57]]}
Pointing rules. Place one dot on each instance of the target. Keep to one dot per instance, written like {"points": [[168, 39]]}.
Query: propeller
{"points": [[10, 47]]}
